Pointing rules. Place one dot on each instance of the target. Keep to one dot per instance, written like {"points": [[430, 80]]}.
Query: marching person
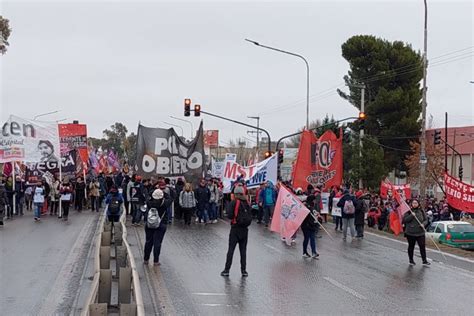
{"points": [[309, 227], [3, 200], [114, 201], [79, 196], [414, 222], [54, 195], [66, 191], [359, 218], [240, 214], [267, 199], [38, 200], [187, 203], [94, 189], [155, 227], [203, 196], [212, 186], [347, 204]]}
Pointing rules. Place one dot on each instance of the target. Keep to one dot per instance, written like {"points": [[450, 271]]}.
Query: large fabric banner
{"points": [[386, 190], [289, 213], [253, 175], [74, 136], [211, 138], [460, 195], [319, 161], [30, 141], [161, 152]]}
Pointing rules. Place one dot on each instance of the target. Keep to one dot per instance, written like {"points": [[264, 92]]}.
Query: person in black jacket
{"points": [[359, 219], [3, 200], [178, 212], [414, 222], [347, 217], [238, 231], [203, 195], [154, 236], [309, 226]]}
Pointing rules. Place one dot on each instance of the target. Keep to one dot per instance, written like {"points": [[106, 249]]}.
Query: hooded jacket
{"points": [[412, 225]]}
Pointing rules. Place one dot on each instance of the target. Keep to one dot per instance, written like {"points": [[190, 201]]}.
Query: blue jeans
{"points": [[38, 208], [202, 213], [135, 211], [309, 237], [138, 216], [267, 213], [212, 210], [169, 212]]}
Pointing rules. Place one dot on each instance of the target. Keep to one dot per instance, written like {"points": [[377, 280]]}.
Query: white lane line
{"points": [[218, 305], [210, 294], [273, 248], [345, 288], [427, 249]]}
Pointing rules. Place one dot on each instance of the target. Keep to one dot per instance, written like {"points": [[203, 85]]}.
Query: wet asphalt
{"points": [[42, 263], [369, 276]]}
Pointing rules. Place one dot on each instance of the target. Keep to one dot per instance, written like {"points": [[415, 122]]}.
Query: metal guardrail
{"points": [[134, 309]]}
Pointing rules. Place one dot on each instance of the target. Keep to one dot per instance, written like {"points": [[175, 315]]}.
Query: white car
{"points": [[437, 228]]}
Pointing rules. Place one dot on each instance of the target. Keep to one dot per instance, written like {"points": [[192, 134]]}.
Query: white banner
{"points": [[336, 211], [217, 169], [325, 199], [254, 175], [30, 141]]}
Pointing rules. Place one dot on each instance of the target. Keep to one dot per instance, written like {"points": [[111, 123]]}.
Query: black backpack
{"points": [[114, 206], [242, 216]]}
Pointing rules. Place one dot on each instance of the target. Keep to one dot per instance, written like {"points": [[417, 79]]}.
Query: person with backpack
{"points": [[240, 214], [187, 203], [137, 198], [155, 227], [212, 186], [114, 201], [347, 204], [203, 196], [66, 191]]}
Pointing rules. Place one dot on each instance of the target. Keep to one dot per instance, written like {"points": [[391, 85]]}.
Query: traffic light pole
{"points": [[457, 153], [446, 142], [258, 128]]}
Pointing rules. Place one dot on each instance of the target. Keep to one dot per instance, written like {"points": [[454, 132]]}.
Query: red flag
{"points": [[289, 213], [319, 161], [402, 204], [459, 195], [395, 224]]}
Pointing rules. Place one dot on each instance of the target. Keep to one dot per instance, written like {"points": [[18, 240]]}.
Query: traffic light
{"points": [[437, 137], [280, 156], [268, 154], [187, 107], [362, 118], [460, 171], [197, 110]]}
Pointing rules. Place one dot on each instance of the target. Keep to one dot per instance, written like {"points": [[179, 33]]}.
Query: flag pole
{"points": [[85, 183], [60, 215], [320, 225], [14, 189]]}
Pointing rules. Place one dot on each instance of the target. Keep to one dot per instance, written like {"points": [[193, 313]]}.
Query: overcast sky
{"points": [[102, 62]]}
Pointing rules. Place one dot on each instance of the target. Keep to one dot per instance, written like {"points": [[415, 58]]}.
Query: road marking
{"points": [[427, 249], [218, 305], [345, 288], [273, 248], [210, 294]]}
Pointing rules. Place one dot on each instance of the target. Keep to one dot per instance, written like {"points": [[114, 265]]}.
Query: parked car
{"points": [[453, 233]]}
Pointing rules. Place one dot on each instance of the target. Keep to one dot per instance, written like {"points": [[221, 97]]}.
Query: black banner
{"points": [[161, 152]]}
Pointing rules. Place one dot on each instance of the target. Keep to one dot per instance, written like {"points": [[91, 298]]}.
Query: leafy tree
{"points": [[327, 123], [5, 32], [434, 166], [115, 138], [391, 73], [369, 167], [130, 149]]}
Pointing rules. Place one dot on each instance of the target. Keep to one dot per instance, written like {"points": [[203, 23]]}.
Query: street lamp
{"points": [[182, 131], [189, 122], [307, 72], [44, 114]]}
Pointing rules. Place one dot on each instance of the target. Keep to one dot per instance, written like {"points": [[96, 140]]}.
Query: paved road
{"points": [[360, 277], [42, 264]]}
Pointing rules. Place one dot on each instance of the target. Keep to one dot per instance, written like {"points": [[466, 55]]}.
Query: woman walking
{"points": [[309, 227], [414, 222], [66, 198], [155, 227], [187, 201], [38, 200], [54, 195]]}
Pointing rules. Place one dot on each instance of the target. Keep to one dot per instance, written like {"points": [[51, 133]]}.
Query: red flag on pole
{"points": [[289, 213]]}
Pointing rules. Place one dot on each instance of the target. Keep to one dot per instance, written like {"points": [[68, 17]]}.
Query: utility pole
{"points": [[446, 142], [361, 135], [257, 131], [423, 159]]}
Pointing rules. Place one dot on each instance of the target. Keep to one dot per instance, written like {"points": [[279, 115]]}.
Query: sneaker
{"points": [[245, 274], [36, 219], [197, 219], [426, 263], [156, 264], [225, 273], [344, 238], [215, 221], [145, 262], [315, 256], [412, 263], [305, 255], [1, 223]]}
